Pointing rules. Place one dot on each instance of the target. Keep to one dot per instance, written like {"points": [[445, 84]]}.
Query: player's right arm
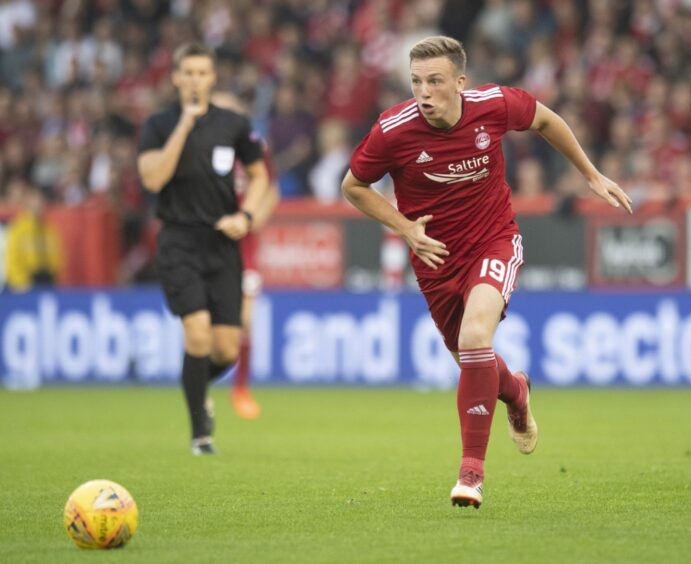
{"points": [[157, 166], [373, 204]]}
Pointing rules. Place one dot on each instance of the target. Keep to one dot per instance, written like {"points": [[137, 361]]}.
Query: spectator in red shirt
{"points": [[352, 89]]}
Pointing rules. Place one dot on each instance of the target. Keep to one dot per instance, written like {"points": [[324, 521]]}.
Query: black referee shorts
{"points": [[200, 269]]}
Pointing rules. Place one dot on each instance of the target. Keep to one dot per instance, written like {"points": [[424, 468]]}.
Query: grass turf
{"points": [[340, 475]]}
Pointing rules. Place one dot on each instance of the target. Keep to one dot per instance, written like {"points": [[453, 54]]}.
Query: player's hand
{"points": [[191, 112], [430, 251], [234, 226], [609, 191]]}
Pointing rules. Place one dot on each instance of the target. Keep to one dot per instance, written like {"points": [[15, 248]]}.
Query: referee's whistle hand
{"points": [[190, 113], [235, 226]]}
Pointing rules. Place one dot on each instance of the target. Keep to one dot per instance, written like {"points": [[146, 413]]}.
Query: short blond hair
{"points": [[440, 46]]}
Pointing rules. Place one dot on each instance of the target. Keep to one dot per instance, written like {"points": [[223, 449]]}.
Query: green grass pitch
{"points": [[351, 475]]}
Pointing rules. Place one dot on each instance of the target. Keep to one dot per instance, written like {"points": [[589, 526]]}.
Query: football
{"points": [[101, 514]]}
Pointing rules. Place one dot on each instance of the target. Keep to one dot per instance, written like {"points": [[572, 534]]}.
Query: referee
{"points": [[186, 155]]}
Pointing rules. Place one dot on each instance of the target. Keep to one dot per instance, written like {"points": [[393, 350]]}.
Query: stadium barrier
{"points": [[312, 245], [322, 338], [641, 250]]}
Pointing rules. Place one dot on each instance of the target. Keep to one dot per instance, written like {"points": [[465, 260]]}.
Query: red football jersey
{"points": [[457, 175]]}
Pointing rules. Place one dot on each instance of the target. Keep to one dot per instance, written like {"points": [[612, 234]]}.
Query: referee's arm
{"points": [[267, 207], [257, 187], [157, 166], [239, 224]]}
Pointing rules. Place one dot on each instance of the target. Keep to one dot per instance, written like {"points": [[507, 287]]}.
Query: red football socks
{"points": [[242, 373], [509, 386], [478, 389]]}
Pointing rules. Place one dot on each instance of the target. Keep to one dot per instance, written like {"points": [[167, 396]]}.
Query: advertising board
{"points": [[324, 338]]}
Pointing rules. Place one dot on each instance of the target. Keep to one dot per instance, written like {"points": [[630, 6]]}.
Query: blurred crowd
{"points": [[78, 77]]}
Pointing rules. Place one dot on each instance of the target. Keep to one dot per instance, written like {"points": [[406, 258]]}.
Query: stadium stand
{"points": [[77, 78]]}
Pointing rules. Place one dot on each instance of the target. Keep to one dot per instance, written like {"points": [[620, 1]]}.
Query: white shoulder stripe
{"points": [[390, 126], [493, 95], [478, 100], [485, 98], [481, 92], [399, 118], [399, 114]]}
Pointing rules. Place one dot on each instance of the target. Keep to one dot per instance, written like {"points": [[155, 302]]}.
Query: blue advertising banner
{"points": [[80, 336], [322, 338]]}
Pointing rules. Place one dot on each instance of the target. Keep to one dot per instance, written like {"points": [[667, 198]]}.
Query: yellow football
{"points": [[101, 514]]}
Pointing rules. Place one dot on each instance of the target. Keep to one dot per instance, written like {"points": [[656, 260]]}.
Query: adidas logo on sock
{"points": [[423, 158], [478, 410]]}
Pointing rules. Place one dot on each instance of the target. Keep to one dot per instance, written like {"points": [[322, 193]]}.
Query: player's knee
{"points": [[474, 336], [198, 341], [226, 351], [226, 355]]}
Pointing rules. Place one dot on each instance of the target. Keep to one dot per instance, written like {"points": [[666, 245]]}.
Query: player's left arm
{"points": [[266, 206], [239, 224], [556, 131]]}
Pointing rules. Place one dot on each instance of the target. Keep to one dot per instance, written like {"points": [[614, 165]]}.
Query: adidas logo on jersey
{"points": [[478, 410], [423, 158]]}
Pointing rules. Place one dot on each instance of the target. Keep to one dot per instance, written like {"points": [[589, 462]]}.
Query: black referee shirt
{"points": [[202, 188]]}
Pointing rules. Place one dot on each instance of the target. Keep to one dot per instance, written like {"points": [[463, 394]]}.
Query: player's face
{"points": [[194, 78], [437, 85]]}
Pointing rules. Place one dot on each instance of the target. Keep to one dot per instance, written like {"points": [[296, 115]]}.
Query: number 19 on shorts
{"points": [[494, 268]]}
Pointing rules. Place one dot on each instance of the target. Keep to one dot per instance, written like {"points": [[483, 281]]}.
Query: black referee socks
{"points": [[194, 379], [217, 370]]}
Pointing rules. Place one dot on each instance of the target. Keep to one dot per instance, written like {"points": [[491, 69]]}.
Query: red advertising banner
{"points": [[639, 251], [90, 238], [301, 254]]}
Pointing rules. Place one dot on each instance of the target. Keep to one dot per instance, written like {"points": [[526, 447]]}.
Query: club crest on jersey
{"points": [[482, 139], [222, 159]]}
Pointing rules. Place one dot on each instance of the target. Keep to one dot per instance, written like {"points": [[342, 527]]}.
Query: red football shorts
{"points": [[498, 265]]}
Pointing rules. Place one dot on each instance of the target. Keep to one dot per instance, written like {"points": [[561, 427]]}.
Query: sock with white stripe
{"points": [[478, 389]]}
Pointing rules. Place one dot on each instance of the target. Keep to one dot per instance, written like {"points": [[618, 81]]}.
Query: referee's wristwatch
{"points": [[250, 218]]}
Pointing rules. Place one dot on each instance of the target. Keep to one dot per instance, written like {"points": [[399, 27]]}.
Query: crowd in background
{"points": [[78, 77]]}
